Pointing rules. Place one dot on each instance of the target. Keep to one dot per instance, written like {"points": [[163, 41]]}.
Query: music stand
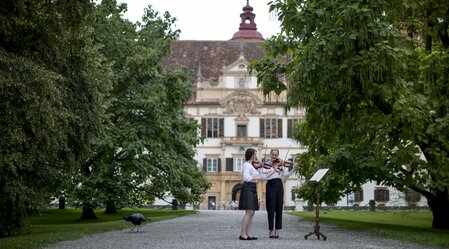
{"points": [[316, 178]]}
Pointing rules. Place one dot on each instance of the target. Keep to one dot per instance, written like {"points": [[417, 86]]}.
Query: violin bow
{"points": [[286, 155]]}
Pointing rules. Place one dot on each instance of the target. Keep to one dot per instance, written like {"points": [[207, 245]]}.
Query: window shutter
{"points": [[204, 164], [279, 128], [387, 195], [289, 128], [221, 127], [229, 164], [219, 164], [262, 128], [203, 127], [358, 196]]}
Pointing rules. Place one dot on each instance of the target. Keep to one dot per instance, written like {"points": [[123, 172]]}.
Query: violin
{"points": [[277, 162], [283, 163], [280, 164], [257, 165], [288, 163]]}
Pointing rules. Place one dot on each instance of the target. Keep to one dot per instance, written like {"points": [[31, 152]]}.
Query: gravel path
{"points": [[221, 229]]}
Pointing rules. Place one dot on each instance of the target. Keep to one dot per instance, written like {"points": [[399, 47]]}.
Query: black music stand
{"points": [[316, 178]]}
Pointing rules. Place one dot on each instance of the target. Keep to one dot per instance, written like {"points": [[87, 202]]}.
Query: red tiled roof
{"points": [[211, 56]]}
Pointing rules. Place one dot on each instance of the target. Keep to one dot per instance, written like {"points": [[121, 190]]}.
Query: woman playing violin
{"points": [[248, 195], [275, 193]]}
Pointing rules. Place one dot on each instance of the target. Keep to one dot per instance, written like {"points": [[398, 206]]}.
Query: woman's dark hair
{"points": [[249, 153]]}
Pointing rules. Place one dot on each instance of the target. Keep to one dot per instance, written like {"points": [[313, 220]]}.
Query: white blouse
{"points": [[249, 172]]}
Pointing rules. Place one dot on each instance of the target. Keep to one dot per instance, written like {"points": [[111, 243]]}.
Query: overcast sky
{"points": [[207, 19]]}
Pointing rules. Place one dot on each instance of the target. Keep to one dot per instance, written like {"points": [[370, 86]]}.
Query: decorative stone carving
{"points": [[242, 104]]}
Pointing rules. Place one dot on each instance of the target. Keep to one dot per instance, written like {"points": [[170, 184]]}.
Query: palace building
{"points": [[235, 115]]}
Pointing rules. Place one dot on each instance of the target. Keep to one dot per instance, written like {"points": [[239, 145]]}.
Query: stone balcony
{"points": [[242, 141]]}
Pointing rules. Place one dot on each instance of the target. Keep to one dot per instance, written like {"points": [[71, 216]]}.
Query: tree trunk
{"points": [[110, 208], [62, 202], [175, 204], [439, 204], [88, 214]]}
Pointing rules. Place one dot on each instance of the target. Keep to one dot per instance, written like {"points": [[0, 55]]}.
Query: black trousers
{"points": [[274, 203]]}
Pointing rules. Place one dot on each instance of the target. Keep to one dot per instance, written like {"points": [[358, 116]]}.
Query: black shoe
{"points": [[242, 238], [252, 238], [272, 236], [276, 236]]}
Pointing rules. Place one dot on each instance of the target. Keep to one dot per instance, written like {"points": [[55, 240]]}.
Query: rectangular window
{"points": [[241, 130], [238, 162], [291, 124], [381, 195], [212, 127], [212, 165], [271, 128]]}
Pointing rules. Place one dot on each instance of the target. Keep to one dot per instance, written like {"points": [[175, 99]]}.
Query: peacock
{"points": [[136, 219]]}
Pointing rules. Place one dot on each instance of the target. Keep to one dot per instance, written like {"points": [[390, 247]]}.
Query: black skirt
{"points": [[248, 197]]}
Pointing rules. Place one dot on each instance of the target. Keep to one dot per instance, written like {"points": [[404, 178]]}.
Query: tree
{"points": [[148, 144], [52, 86], [372, 76]]}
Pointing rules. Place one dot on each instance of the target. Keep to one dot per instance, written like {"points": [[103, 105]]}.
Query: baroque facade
{"points": [[235, 115]]}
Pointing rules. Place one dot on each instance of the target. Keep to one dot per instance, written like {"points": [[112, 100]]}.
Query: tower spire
{"points": [[248, 28]]}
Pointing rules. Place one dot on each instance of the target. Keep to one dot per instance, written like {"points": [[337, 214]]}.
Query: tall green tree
{"points": [[372, 76], [148, 145], [52, 88]]}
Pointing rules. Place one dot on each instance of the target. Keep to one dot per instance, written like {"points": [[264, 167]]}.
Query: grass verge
{"points": [[56, 225], [412, 226]]}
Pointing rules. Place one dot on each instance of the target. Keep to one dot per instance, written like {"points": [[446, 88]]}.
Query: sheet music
{"points": [[318, 175]]}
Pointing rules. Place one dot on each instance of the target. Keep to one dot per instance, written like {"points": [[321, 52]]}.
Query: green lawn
{"points": [[413, 226], [58, 225]]}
